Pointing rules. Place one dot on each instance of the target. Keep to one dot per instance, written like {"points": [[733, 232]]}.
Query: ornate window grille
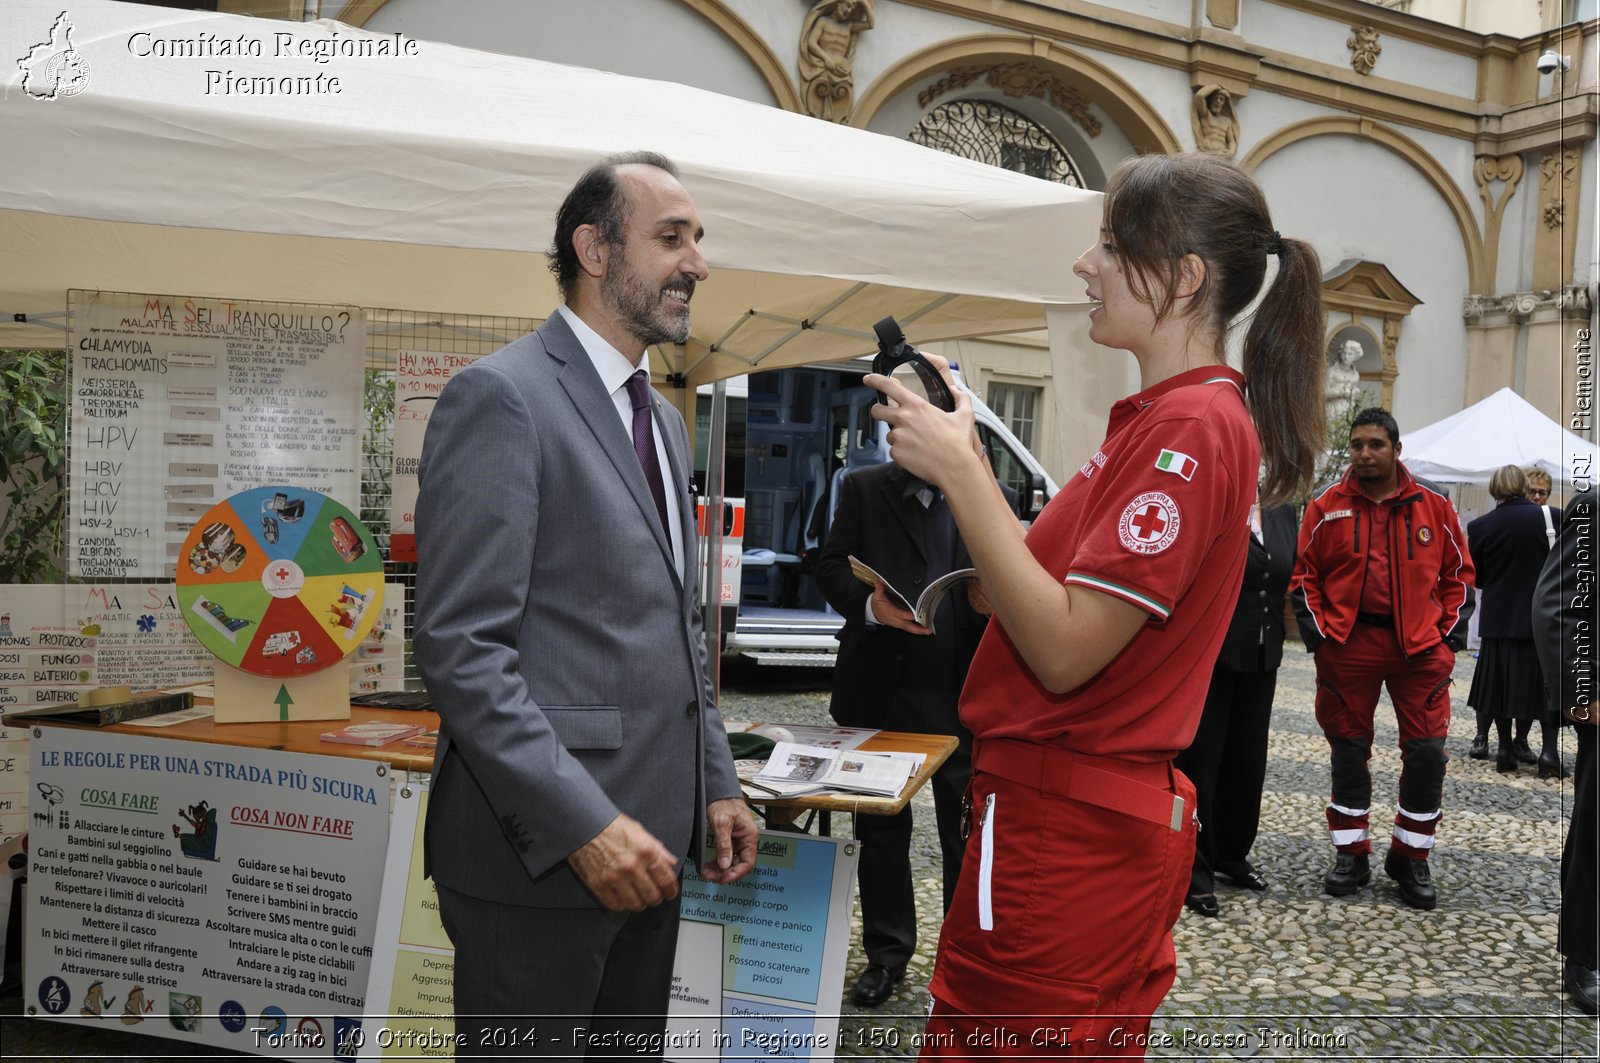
{"points": [[998, 135]]}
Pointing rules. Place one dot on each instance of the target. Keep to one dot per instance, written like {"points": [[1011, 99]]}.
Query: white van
{"points": [[792, 436]]}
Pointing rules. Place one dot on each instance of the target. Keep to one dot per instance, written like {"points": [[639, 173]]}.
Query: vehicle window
{"points": [[1009, 469], [733, 459]]}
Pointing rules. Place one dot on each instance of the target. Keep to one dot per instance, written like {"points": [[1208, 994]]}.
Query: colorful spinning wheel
{"points": [[280, 581]]}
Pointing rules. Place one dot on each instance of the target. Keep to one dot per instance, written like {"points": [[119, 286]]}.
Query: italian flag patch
{"points": [[1176, 461]]}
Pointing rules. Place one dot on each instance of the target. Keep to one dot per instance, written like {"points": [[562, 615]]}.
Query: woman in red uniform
{"points": [[1110, 615]]}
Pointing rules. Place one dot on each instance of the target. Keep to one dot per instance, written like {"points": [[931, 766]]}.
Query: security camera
{"points": [[1551, 61]]}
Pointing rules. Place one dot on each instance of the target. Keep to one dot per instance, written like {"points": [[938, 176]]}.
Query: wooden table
{"points": [[305, 736], [936, 749], [295, 736]]}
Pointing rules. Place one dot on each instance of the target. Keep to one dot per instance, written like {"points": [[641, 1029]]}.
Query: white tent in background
{"points": [[1503, 429]]}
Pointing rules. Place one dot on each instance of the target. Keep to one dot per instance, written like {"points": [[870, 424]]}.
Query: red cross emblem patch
{"points": [[1149, 523]]}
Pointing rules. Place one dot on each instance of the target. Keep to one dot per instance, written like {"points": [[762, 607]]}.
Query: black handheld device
{"points": [[894, 351]]}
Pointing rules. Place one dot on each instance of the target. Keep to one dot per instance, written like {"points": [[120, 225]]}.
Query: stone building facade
{"points": [[1447, 182]]}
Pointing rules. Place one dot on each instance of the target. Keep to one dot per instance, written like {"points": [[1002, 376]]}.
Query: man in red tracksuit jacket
{"points": [[1383, 592]]}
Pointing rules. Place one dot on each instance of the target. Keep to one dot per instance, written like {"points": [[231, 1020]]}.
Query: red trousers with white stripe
{"points": [[1058, 943], [1349, 678]]}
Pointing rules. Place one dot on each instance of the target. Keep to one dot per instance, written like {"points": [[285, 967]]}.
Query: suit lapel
{"points": [[594, 407]]}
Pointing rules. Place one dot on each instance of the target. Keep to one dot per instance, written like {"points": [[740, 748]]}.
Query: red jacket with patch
{"points": [[1431, 572]]}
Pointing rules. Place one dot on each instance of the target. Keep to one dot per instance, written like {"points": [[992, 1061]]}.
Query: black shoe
{"points": [[1479, 750], [1203, 904], [1524, 754], [1348, 874], [1550, 766], [1505, 761], [876, 983], [1413, 878], [1583, 985], [1244, 875]]}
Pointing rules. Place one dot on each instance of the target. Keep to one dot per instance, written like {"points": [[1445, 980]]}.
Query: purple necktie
{"points": [[644, 444]]}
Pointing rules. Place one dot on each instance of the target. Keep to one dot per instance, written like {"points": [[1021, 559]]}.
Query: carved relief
{"points": [[1364, 49], [1572, 301], [1018, 80], [1216, 126], [828, 40], [1488, 169], [1556, 171]]}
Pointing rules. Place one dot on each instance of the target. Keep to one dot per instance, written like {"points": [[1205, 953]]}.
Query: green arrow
{"points": [[284, 701]]}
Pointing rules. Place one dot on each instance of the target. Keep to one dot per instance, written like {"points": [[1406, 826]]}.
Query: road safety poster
{"points": [[213, 894]]}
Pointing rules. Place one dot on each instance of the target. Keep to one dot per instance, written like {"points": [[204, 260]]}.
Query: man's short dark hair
{"points": [[597, 199], [1382, 418]]}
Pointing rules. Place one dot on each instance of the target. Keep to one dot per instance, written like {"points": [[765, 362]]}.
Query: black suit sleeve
{"points": [[1564, 609], [838, 584]]}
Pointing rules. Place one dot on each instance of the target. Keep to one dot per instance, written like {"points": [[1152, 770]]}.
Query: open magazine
{"points": [[794, 769], [928, 603]]}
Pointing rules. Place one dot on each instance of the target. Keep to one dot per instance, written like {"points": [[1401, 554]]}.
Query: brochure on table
{"points": [[202, 892], [794, 769], [179, 402], [759, 970]]}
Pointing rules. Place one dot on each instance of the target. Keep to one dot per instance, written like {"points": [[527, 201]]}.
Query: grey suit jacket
{"points": [[562, 650]]}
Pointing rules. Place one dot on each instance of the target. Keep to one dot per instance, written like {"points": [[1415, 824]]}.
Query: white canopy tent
{"points": [[430, 179], [1503, 429]]}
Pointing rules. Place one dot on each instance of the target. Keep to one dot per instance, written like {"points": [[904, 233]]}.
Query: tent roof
{"points": [[429, 182], [1503, 429]]}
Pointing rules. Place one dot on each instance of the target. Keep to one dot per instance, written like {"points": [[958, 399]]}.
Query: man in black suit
{"points": [[1227, 760], [1563, 620], [896, 675]]}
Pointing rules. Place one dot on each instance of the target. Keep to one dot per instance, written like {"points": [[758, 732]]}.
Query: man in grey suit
{"points": [[581, 757]]}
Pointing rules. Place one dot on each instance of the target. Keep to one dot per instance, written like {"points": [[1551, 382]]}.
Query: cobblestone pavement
{"points": [[1285, 974], [1291, 973]]}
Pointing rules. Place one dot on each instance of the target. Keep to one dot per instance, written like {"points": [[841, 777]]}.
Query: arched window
{"points": [[998, 135]]}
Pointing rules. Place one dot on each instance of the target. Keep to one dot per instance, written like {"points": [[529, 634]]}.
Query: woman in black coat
{"points": [[1508, 546], [1227, 761]]}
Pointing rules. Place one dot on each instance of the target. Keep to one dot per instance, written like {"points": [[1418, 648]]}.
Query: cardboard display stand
{"points": [[245, 698]]}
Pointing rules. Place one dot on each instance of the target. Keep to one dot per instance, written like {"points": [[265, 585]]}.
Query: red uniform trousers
{"points": [[1058, 943], [1348, 680]]}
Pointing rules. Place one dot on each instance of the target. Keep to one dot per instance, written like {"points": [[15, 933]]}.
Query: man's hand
{"points": [[887, 613], [626, 867], [978, 600], [734, 829]]}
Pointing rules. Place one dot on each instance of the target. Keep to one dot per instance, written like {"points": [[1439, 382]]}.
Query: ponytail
{"points": [[1284, 371], [1160, 208]]}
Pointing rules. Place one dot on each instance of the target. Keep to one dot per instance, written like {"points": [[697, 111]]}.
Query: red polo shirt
{"points": [[1158, 517]]}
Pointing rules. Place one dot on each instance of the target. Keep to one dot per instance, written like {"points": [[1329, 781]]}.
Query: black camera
{"points": [[894, 351]]}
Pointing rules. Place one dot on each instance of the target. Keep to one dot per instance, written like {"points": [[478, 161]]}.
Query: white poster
{"points": [[379, 663], [180, 403], [758, 975], [419, 377], [213, 894], [13, 793], [56, 641]]}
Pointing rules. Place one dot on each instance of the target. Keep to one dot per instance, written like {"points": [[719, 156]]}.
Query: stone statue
{"points": [[1216, 126], [827, 55], [1344, 382], [1364, 49]]}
